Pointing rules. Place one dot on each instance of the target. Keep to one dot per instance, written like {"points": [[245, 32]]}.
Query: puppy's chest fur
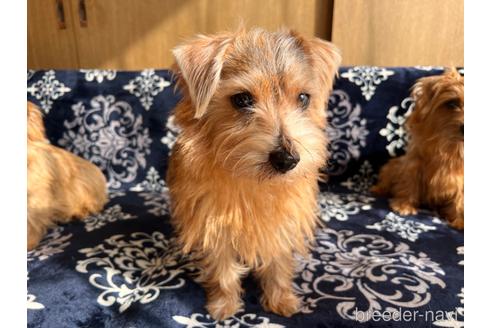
{"points": [[212, 209], [442, 180]]}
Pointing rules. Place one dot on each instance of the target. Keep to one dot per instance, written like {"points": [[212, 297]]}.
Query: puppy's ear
{"points": [[325, 58], [199, 64], [422, 93]]}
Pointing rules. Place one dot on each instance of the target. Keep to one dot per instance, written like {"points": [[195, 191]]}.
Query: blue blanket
{"points": [[121, 268]]}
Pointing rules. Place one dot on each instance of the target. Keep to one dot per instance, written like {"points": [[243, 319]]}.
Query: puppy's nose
{"points": [[283, 160], [462, 129]]}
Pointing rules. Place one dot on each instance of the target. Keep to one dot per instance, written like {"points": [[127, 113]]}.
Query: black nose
{"points": [[282, 160], [462, 128]]}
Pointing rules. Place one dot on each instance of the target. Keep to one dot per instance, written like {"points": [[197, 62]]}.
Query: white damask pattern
{"points": [[47, 89], [111, 214], [156, 203], [461, 251], [146, 87], [339, 206], [367, 77], [406, 229], [362, 181], [171, 134], [346, 131], [152, 182], [365, 272], [53, 243], [98, 75], [30, 73], [31, 301], [111, 135], [198, 320], [135, 268], [395, 132], [155, 193], [32, 304], [116, 194], [456, 318], [428, 68]]}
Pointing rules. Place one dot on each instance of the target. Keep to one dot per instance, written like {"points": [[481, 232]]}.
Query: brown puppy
{"points": [[431, 172], [243, 173], [60, 185]]}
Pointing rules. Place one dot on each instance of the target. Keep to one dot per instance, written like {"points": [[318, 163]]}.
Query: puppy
{"points": [[431, 172], [60, 185], [243, 172]]}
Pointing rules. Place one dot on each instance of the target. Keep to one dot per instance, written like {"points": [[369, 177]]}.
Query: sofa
{"points": [[368, 267]]}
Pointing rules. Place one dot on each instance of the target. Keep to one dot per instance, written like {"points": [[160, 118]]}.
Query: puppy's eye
{"points": [[304, 99], [243, 100], [453, 104]]}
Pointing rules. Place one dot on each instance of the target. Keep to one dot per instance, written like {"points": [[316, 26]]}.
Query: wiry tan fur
{"points": [[228, 204], [60, 185], [431, 172]]}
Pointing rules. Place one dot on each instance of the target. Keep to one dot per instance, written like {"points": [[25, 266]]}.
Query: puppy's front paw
{"points": [[402, 206], [223, 308], [285, 303]]}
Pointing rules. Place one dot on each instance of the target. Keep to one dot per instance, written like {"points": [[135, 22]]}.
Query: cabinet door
{"points": [[399, 32], [137, 34], [130, 34], [50, 38]]}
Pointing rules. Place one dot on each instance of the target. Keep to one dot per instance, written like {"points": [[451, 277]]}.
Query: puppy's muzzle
{"points": [[282, 160]]}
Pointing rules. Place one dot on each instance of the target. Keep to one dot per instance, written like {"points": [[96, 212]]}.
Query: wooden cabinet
{"points": [[399, 32], [136, 34], [50, 45]]}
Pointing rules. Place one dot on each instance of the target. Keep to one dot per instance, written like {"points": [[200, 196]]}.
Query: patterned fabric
{"points": [[121, 267]]}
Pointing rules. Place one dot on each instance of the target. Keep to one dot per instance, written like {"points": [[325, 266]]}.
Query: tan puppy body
{"points": [[431, 173], [230, 204], [60, 185]]}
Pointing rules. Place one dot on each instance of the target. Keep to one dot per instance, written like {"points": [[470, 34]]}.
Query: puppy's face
{"points": [[260, 99], [439, 110]]}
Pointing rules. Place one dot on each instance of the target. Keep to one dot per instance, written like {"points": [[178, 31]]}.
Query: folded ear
{"points": [[325, 58], [199, 64], [422, 92]]}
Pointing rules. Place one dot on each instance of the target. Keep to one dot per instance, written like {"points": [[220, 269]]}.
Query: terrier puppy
{"points": [[243, 172], [60, 185], [431, 172]]}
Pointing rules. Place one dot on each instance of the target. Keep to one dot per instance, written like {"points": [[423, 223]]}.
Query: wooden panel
{"points": [[399, 32], [310, 17], [136, 34], [49, 46]]}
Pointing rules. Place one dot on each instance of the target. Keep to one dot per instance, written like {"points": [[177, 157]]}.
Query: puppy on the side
{"points": [[60, 185], [243, 172], [431, 172]]}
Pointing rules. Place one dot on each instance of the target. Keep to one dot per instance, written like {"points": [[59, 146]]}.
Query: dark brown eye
{"points": [[453, 104], [243, 101], [304, 99]]}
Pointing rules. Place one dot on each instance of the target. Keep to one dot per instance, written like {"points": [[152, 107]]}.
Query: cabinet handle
{"points": [[82, 13], [60, 14]]}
